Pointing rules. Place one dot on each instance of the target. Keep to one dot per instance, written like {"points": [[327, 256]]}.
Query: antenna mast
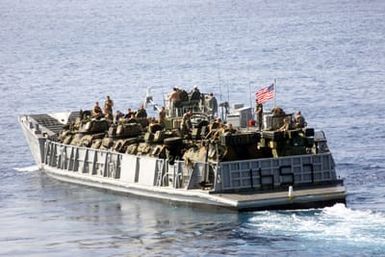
{"points": [[275, 92], [248, 77], [218, 73]]}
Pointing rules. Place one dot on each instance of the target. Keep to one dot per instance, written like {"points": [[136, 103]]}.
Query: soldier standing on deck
{"points": [[213, 104], [259, 116], [174, 99], [108, 104], [195, 94], [162, 116]]}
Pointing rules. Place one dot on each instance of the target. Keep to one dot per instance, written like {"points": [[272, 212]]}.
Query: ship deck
{"points": [[302, 198]]}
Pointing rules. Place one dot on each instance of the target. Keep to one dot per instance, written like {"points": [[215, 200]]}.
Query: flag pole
{"points": [[248, 77], [251, 101], [275, 92]]}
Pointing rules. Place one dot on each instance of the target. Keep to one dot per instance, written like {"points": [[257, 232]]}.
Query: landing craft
{"points": [[191, 157]]}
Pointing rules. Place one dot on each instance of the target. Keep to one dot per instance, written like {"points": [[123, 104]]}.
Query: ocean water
{"points": [[329, 61]]}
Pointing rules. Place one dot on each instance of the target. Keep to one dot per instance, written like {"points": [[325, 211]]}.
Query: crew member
{"points": [[186, 125], [174, 99], [299, 120], [195, 93], [130, 114], [109, 117], [213, 104], [183, 95], [141, 113], [162, 116], [97, 111], [259, 115], [108, 104], [286, 124], [278, 111], [118, 116], [230, 128]]}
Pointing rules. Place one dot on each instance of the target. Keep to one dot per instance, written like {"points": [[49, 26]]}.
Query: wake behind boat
{"points": [[189, 155]]}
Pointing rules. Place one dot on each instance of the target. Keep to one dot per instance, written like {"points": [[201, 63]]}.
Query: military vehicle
{"points": [[191, 156]]}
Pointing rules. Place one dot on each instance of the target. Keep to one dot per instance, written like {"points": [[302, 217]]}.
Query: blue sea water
{"points": [[329, 61]]}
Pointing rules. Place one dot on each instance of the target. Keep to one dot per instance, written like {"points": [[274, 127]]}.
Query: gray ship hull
{"points": [[239, 185]]}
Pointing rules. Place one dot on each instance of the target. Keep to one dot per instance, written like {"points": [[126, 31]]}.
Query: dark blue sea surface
{"points": [[329, 61]]}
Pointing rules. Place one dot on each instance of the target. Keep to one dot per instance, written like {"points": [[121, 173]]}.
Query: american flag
{"points": [[265, 94]]}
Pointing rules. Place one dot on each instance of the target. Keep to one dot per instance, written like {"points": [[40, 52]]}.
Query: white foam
{"points": [[27, 169], [339, 212], [331, 223]]}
